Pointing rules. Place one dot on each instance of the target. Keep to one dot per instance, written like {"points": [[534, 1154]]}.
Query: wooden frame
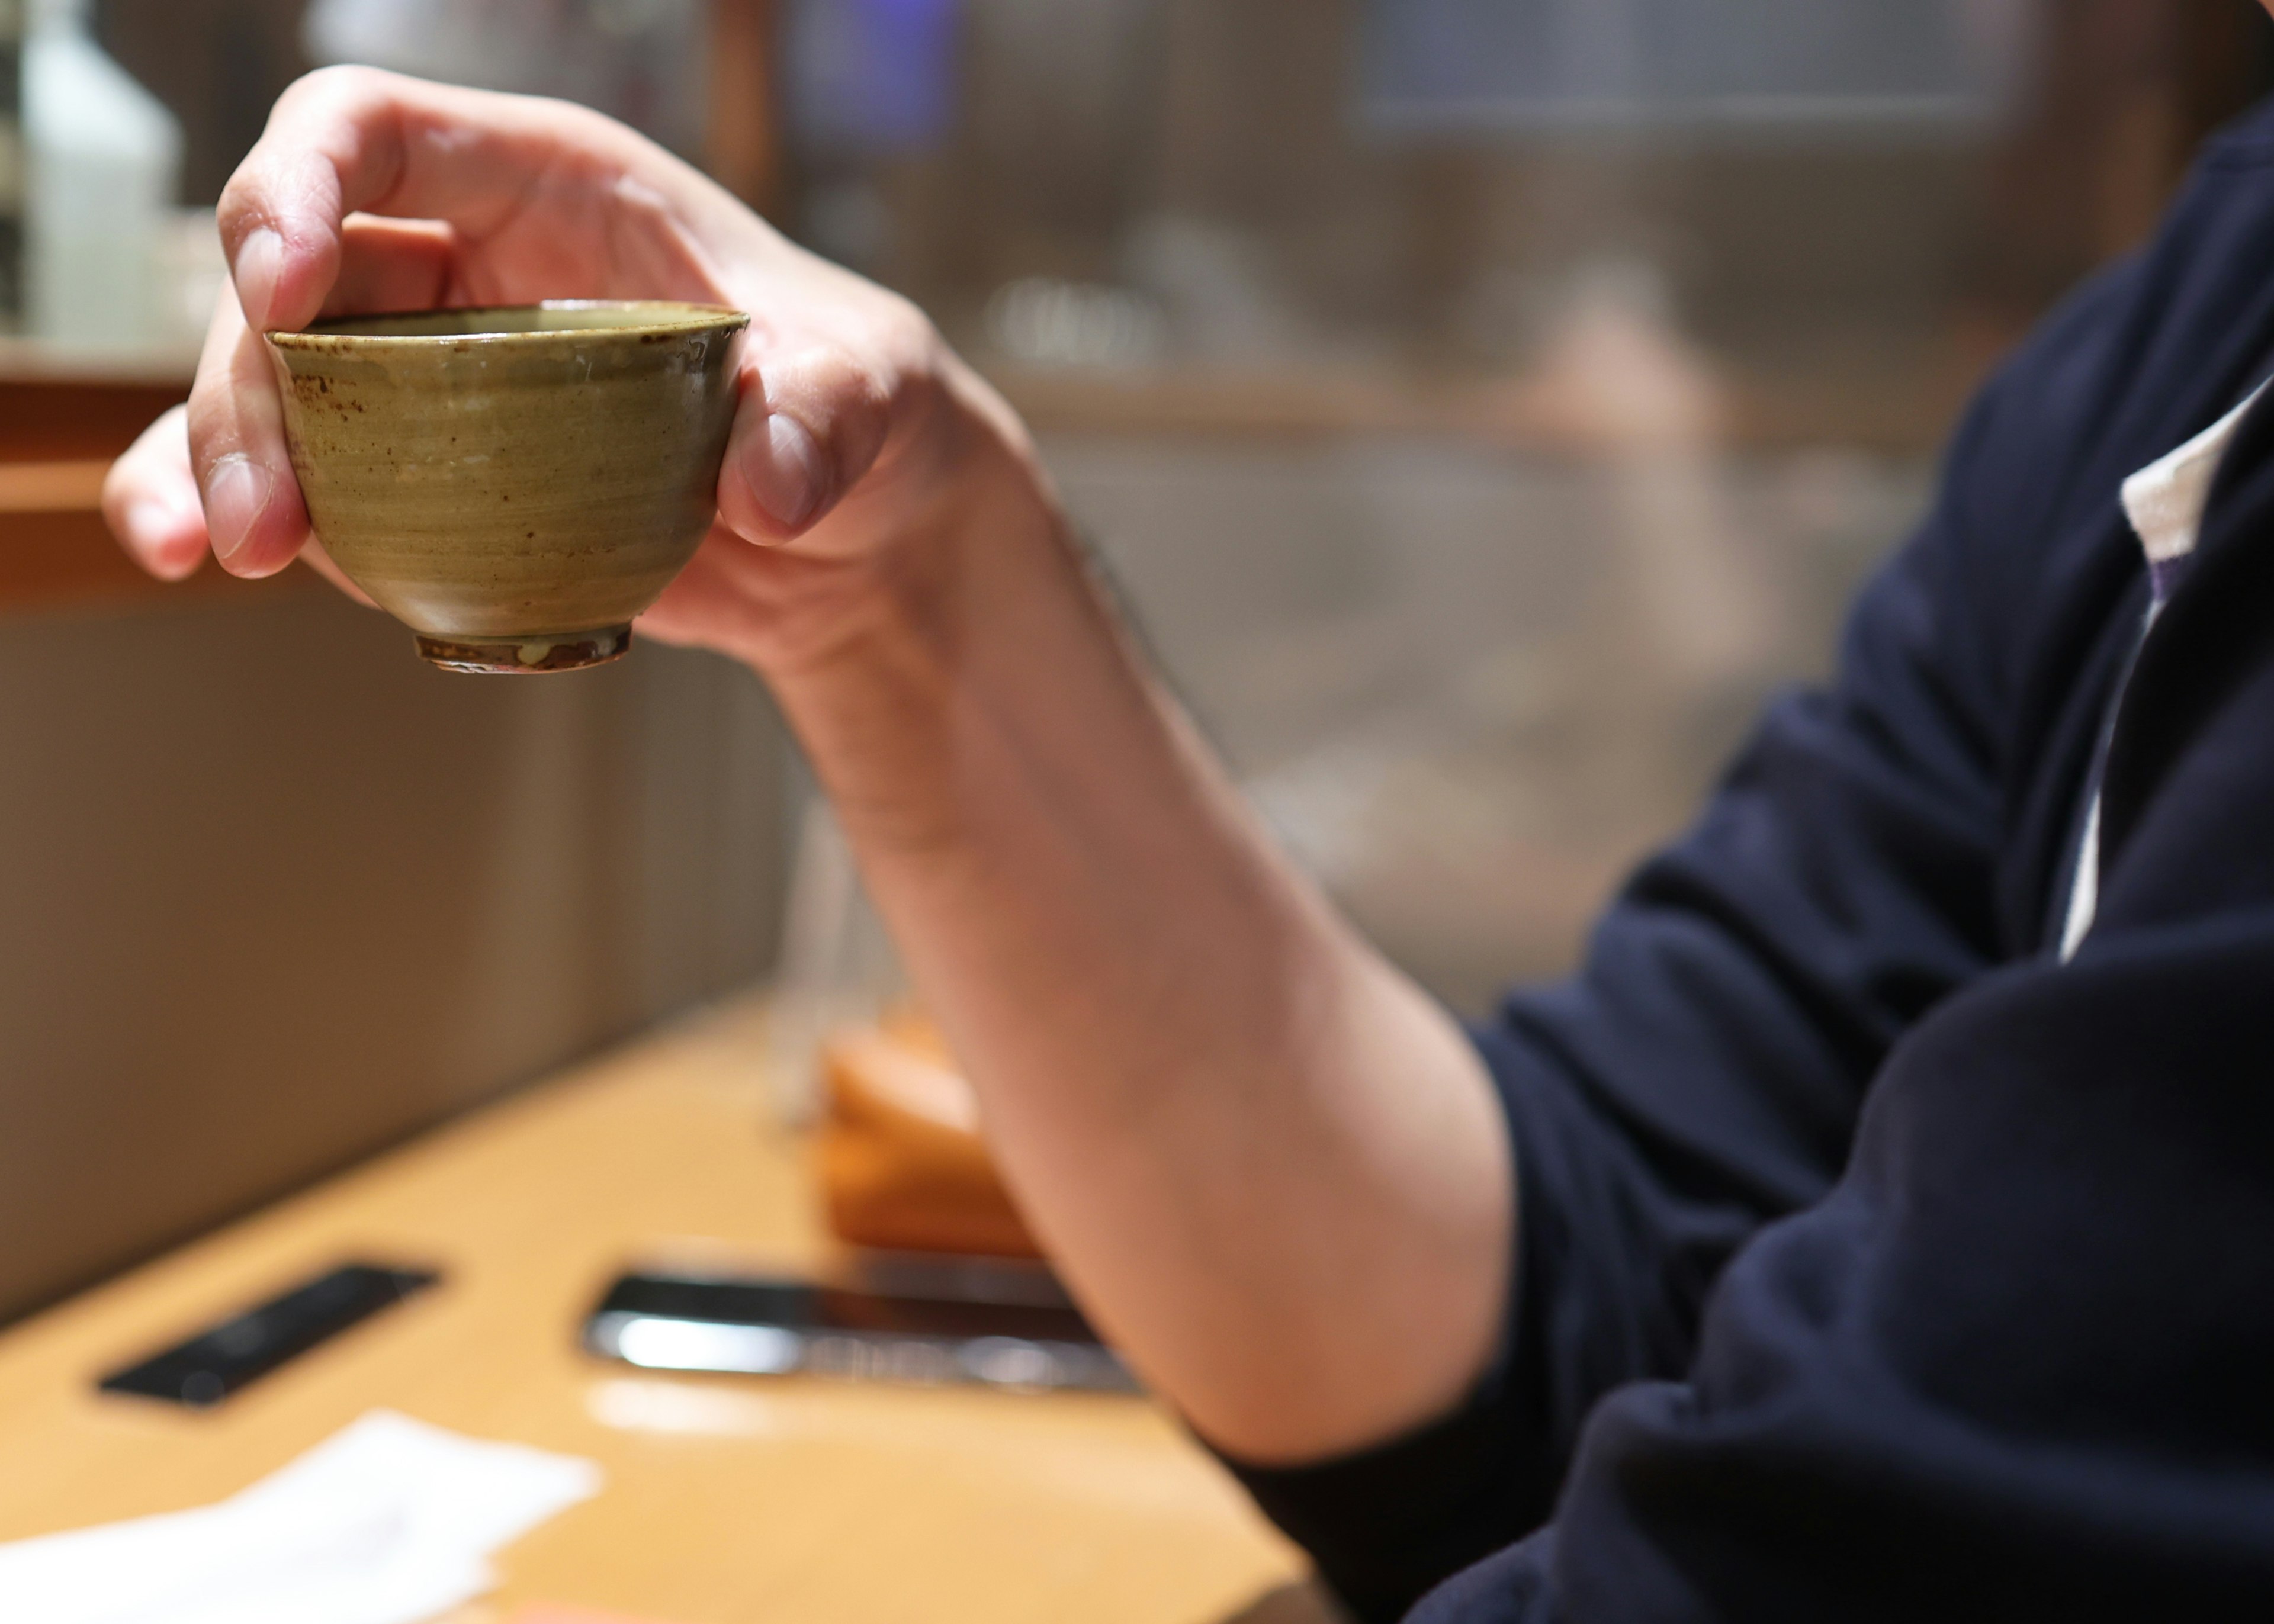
{"points": [[742, 146], [61, 423]]}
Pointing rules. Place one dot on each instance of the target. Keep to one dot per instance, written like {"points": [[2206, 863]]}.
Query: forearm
{"points": [[1270, 1165]]}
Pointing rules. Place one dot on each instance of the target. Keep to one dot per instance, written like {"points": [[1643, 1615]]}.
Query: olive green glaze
{"points": [[514, 485]]}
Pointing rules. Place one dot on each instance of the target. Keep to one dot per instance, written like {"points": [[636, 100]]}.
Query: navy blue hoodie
{"points": [[1872, 1262]]}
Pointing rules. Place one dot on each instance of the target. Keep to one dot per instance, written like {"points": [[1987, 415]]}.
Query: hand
{"points": [[373, 191]]}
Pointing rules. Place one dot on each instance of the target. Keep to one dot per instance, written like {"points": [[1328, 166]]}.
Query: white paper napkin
{"points": [[389, 1521]]}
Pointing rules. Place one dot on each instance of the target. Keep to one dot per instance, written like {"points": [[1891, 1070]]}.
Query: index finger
{"points": [[253, 510], [345, 140]]}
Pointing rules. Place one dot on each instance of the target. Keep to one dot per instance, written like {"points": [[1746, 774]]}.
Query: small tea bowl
{"points": [[513, 483]]}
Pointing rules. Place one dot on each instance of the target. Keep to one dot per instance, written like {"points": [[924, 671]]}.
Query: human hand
{"points": [[856, 428]]}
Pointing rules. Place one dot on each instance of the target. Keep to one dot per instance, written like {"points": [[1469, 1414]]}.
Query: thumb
{"points": [[811, 425]]}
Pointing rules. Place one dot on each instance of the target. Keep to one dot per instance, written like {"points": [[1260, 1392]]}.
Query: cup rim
{"points": [[670, 316]]}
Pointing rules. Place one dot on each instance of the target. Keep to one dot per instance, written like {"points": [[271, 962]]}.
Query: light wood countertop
{"points": [[728, 1500]]}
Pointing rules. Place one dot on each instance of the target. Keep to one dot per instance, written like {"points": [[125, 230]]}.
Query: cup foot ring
{"points": [[528, 656]]}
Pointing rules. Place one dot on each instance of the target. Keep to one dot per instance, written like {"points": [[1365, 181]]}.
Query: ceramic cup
{"points": [[513, 483]]}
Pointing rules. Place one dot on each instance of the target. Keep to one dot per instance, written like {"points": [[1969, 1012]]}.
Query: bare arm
{"points": [[1270, 1165], [1272, 1168]]}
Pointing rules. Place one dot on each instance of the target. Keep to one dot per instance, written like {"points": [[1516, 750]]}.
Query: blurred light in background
{"points": [[1484, 403], [1044, 321], [1527, 65], [870, 76], [637, 60]]}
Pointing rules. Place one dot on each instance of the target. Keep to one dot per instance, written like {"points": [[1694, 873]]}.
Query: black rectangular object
{"points": [[775, 1327], [211, 1366], [806, 1306]]}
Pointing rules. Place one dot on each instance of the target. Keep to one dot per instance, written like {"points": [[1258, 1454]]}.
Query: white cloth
{"points": [[389, 1521], [2165, 501]]}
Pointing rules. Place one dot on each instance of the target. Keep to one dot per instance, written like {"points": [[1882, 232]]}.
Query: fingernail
{"points": [[236, 493], [787, 471], [260, 262]]}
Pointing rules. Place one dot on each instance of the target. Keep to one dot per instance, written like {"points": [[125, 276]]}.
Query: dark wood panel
{"points": [[56, 435], [72, 419], [742, 146], [61, 560], [218, 63]]}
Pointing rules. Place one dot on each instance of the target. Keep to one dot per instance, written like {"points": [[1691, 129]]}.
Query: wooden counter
{"points": [[728, 1500]]}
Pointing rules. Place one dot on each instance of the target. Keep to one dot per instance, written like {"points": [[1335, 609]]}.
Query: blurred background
{"points": [[1480, 405]]}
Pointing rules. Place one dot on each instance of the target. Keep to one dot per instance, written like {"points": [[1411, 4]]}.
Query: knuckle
{"points": [[864, 397], [344, 82], [902, 360], [324, 95], [238, 212], [868, 387], [905, 334]]}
